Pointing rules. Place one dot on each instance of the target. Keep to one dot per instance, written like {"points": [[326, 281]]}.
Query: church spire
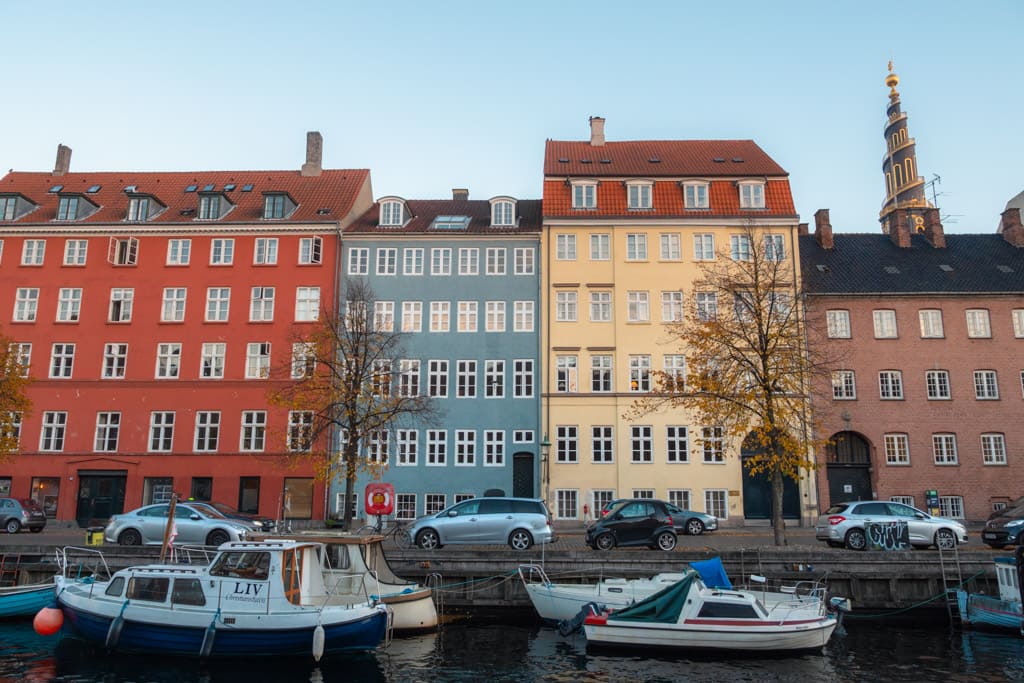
{"points": [[904, 188]]}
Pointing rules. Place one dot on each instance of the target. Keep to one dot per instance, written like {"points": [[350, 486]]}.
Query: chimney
{"points": [[1010, 227], [460, 194], [933, 228], [823, 229], [899, 231], [801, 229], [63, 163], [596, 131], [314, 154]]}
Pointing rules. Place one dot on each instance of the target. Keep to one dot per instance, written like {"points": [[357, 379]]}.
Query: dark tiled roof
{"points": [[675, 158], [336, 190], [868, 264], [424, 211]]}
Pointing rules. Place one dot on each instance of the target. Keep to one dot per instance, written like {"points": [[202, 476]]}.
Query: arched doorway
{"points": [[848, 467], [757, 489]]}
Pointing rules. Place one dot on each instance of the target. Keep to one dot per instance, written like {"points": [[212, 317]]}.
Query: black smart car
{"points": [[634, 523]]}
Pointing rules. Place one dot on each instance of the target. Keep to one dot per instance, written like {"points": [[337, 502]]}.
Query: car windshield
{"points": [[836, 509], [207, 510], [224, 509], [28, 504]]}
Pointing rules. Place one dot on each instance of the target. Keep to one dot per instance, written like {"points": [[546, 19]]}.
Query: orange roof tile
{"points": [[659, 158]]}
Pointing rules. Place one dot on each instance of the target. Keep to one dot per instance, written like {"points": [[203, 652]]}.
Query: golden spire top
{"points": [[892, 80]]}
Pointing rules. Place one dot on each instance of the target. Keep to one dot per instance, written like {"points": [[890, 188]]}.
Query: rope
{"points": [[500, 577], [942, 595]]}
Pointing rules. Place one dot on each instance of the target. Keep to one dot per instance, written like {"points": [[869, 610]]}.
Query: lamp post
{"points": [[545, 450]]}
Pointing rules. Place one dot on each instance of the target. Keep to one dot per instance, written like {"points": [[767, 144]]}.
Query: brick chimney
{"points": [[899, 231], [823, 229], [801, 229], [596, 131], [933, 228], [63, 163], [314, 154], [1010, 227], [460, 194]]}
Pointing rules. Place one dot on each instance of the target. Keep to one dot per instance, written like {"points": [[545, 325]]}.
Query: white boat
{"points": [[1002, 611], [254, 599], [689, 614]]}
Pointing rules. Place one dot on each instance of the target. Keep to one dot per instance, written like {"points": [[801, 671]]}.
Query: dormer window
{"points": [[277, 205], [751, 194], [213, 206], [142, 208], [638, 194], [503, 212], [13, 207], [584, 194], [391, 213], [695, 195], [73, 208]]}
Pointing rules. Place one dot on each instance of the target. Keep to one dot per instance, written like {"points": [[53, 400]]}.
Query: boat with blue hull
{"points": [[24, 601], [1002, 611], [254, 599]]}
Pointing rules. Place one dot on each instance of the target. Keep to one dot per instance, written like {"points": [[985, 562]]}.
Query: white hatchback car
{"points": [[843, 524]]}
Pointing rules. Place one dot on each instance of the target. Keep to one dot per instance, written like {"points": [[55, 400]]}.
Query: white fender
{"points": [[318, 642]]}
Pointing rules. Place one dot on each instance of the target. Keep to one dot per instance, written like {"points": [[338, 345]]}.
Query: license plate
{"points": [[987, 535]]}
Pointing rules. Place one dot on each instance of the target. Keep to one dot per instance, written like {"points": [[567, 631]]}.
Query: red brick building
{"points": [[149, 308]]}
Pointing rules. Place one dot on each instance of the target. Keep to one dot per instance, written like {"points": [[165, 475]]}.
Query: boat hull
{"points": [[25, 601], [986, 610], [561, 602], [413, 611], [739, 637]]}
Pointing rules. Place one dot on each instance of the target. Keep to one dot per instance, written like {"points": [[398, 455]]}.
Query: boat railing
{"points": [[75, 562], [533, 573], [341, 584], [198, 555]]}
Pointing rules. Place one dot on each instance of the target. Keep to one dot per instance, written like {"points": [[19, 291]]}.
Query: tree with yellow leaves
{"points": [[14, 402]]}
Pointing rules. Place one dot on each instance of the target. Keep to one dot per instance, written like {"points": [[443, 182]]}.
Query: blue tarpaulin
{"points": [[712, 573]]}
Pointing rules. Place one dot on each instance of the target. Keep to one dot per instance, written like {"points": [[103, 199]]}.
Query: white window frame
{"points": [[384, 316], [311, 251], [121, 299], [774, 248], [440, 316], [602, 379], [567, 444], [179, 252], [584, 195], [600, 307], [497, 258], [211, 365], [168, 360], [1017, 315], [565, 247], [640, 373], [979, 325], [358, 261], [172, 309], [638, 307], [522, 378], [76, 252], [751, 194], [503, 213], [838, 323], [261, 304], [69, 304], [739, 247], [108, 432], [253, 432], [671, 246], [26, 304], [468, 317], [565, 306], [494, 448], [413, 261], [672, 306], [115, 360], [437, 378], [218, 304], [469, 261], [161, 431], [264, 251], [494, 320], [639, 195], [600, 246], [406, 451], [944, 449], [897, 449], [602, 444], [409, 377], [437, 448], [890, 385], [62, 360], [566, 374], [931, 323], [465, 447], [524, 260], [986, 385], [307, 304], [465, 378], [641, 440], [222, 251], [695, 195], [524, 315], [937, 386], [412, 316], [844, 385], [636, 246], [716, 503], [677, 445], [387, 261], [53, 431], [713, 445], [884, 320], [993, 448], [257, 360], [33, 252], [704, 247], [441, 261]]}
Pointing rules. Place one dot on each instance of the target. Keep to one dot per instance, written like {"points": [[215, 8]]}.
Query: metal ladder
{"points": [[952, 577], [10, 568]]}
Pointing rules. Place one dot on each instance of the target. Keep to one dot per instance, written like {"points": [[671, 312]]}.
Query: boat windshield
{"points": [[242, 565]]}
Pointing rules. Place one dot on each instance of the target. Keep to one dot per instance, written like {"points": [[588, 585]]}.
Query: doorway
{"points": [[522, 475], [848, 468], [100, 495], [249, 495]]}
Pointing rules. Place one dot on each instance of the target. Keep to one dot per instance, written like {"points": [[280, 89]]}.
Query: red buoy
{"points": [[48, 621]]}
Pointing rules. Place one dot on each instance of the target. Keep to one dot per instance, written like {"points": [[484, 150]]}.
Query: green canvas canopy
{"points": [[663, 607]]}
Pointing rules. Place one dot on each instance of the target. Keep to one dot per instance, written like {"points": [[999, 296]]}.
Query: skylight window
{"points": [[208, 188], [229, 187], [191, 188], [451, 223], [93, 189], [247, 187], [131, 188], [56, 188]]}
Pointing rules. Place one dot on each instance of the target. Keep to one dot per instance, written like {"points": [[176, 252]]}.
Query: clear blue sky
{"points": [[435, 95]]}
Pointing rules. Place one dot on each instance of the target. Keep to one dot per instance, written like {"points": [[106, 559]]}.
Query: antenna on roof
{"points": [[936, 180]]}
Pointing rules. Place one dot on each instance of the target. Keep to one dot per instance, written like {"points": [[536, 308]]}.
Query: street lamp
{"points": [[545, 449]]}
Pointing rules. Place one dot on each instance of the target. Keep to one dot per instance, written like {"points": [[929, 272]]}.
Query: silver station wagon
{"points": [[519, 522]]}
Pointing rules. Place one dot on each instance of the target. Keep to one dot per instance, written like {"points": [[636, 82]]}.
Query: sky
{"points": [[436, 95]]}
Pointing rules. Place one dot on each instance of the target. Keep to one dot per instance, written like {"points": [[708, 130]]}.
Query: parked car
{"points": [[646, 522], [688, 522], [258, 522], [843, 524], [519, 522], [194, 524], [1009, 506], [21, 513], [1005, 529]]}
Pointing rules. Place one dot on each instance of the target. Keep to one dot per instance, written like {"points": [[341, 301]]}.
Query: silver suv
{"points": [[519, 522], [843, 524]]}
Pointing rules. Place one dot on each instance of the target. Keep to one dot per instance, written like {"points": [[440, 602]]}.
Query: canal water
{"points": [[491, 650]]}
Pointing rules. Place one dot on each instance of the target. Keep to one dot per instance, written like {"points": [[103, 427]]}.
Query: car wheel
{"points": [[130, 537], [944, 539], [13, 526], [856, 540], [428, 539], [217, 537], [666, 541], [520, 539], [604, 542], [695, 527]]}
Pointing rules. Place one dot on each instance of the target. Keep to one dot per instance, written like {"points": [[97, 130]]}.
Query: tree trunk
{"points": [[778, 524], [350, 485]]}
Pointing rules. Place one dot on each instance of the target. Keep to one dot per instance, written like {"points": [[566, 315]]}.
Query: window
{"points": [[601, 373], [358, 261], [108, 427], [890, 385], [62, 361], [985, 386], [377, 443], [978, 323], [993, 449], [584, 195], [265, 252], [412, 261], [494, 448], [751, 195], [565, 374], [75, 252], [69, 305], [636, 247], [209, 207], [522, 436], [600, 247], [937, 384], [437, 448], [391, 213], [222, 252], [207, 431], [601, 306], [178, 252], [21, 353], [218, 302], [412, 316], [640, 373], [844, 385], [407, 441], [602, 443], [675, 372], [638, 307], [495, 316], [387, 261], [565, 306], [774, 248], [465, 379], [897, 450], [161, 431], [695, 195], [680, 498], [257, 360], [494, 379], [261, 308], [121, 305], [138, 209], [566, 447], [671, 247], [706, 305], [380, 379], [465, 447], [677, 448], [384, 316], [26, 304], [496, 260], [115, 358], [712, 440], [565, 247], [885, 324], [303, 360], [254, 431], [838, 322], [503, 213], [33, 252], [704, 247], [671, 307], [638, 195], [8, 206], [441, 261], [307, 304], [467, 316], [273, 206], [300, 431], [440, 316], [524, 260], [944, 449], [51, 436], [566, 503], [469, 261], [716, 503], [173, 309], [408, 377], [951, 506], [211, 365], [1018, 322], [739, 247], [433, 503], [437, 378], [522, 379], [931, 323], [641, 444], [523, 316]]}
